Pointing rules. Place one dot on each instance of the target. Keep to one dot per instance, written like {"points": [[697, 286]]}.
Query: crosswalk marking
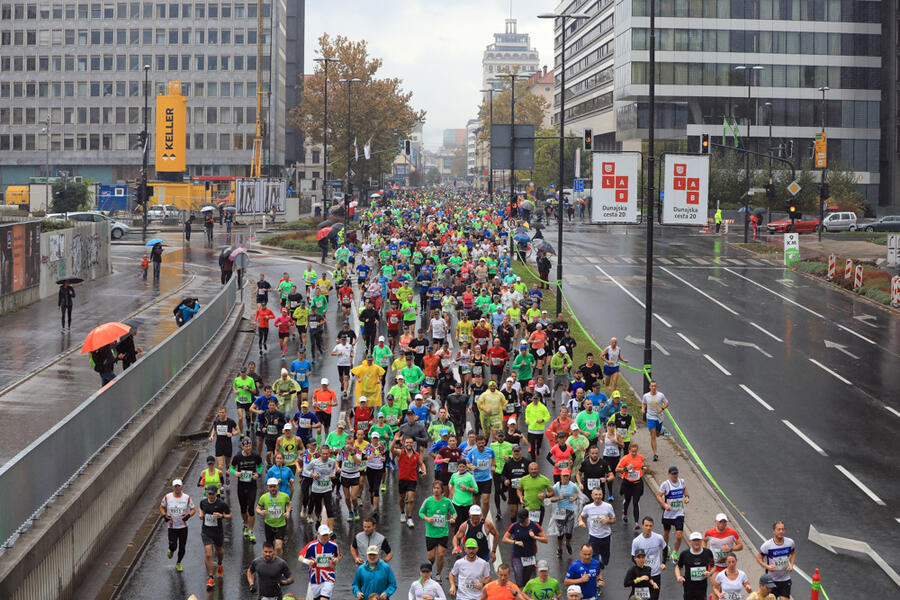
{"points": [[675, 261]]}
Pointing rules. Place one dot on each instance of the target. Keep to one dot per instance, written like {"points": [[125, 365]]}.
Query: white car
{"points": [[840, 221], [116, 228], [162, 212]]}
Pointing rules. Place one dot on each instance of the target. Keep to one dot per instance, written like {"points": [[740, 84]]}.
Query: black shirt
{"points": [[591, 374], [556, 328], [269, 575], [262, 290], [245, 467], [272, 422], [633, 573], [456, 406], [589, 470], [515, 469], [314, 321], [506, 332], [349, 334], [222, 428], [211, 525], [370, 318], [688, 560]]}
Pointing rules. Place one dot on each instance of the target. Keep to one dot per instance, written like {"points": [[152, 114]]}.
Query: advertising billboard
{"points": [[171, 130]]}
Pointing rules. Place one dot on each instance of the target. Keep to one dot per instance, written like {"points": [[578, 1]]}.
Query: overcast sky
{"points": [[435, 46]]}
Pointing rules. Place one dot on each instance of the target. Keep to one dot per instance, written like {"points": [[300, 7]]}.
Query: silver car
{"points": [[116, 228], [840, 221]]}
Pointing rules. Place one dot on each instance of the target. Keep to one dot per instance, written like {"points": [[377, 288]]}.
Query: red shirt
{"points": [[393, 319], [562, 459], [362, 418], [557, 425], [393, 286], [408, 466], [263, 316], [431, 363], [346, 295], [482, 336], [497, 356]]}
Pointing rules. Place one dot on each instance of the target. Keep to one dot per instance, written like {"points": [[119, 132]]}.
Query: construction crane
{"points": [[256, 164]]}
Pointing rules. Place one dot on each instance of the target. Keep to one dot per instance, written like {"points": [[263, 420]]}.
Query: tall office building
{"points": [[510, 52], [754, 62], [82, 65]]}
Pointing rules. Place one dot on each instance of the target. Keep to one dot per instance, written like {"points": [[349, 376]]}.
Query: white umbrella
{"points": [[375, 195], [208, 208]]}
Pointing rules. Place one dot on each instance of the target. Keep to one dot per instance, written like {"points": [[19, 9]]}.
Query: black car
{"points": [[889, 223]]}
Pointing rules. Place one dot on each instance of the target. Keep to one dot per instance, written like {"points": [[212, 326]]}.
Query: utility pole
{"points": [[823, 185], [490, 93], [651, 197], [145, 143], [347, 186], [325, 61]]}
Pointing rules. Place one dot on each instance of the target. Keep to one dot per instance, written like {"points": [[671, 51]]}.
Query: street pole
{"points": [[490, 93], [822, 194], [347, 186], [749, 74], [146, 146], [651, 196], [325, 61]]}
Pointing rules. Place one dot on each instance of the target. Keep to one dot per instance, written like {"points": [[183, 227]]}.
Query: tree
{"points": [[433, 176], [546, 160], [70, 196], [379, 109], [530, 109]]}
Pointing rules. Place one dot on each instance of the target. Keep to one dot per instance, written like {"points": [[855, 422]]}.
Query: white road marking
{"points": [[860, 485], [737, 343], [753, 395], [628, 260], [892, 410], [865, 319], [689, 342], [701, 292], [860, 336], [717, 365], [829, 371], [804, 437], [663, 260], [773, 336], [632, 296]]}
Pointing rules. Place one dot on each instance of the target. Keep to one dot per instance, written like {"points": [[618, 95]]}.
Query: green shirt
{"points": [[319, 303], [462, 497], [441, 509], [409, 310], [382, 355], [580, 444], [285, 288], [245, 387], [385, 433], [588, 423], [523, 366], [531, 487], [539, 590], [401, 396], [412, 375], [434, 429], [392, 416], [502, 451], [275, 508], [336, 441]]}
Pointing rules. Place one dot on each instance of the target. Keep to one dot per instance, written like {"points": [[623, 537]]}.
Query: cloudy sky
{"points": [[434, 46]]}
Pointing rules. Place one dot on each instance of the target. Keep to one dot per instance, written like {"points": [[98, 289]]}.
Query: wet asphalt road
{"points": [[741, 411]]}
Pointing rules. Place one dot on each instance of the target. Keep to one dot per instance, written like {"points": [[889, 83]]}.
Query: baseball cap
{"points": [[512, 420], [363, 399], [445, 431], [673, 469], [243, 369], [640, 552], [324, 381], [543, 565], [617, 394], [211, 489], [510, 380], [696, 535], [562, 434], [474, 510], [341, 425], [471, 542], [210, 460], [373, 550], [324, 530], [573, 426], [246, 442], [721, 517], [419, 397], [563, 350], [516, 447], [272, 481], [566, 472], [375, 434], [380, 338], [531, 382], [574, 589], [492, 383], [766, 580], [304, 404], [177, 482]]}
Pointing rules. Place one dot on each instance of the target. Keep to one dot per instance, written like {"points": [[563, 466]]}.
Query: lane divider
{"points": [[717, 365], [860, 485], [804, 437], [753, 395]]}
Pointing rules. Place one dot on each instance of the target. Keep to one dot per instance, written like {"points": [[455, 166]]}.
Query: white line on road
{"points": [[755, 397], [804, 437], [664, 260], [860, 336], [689, 342], [824, 368], [893, 410], [701, 292], [860, 485], [771, 335], [632, 296], [717, 365]]}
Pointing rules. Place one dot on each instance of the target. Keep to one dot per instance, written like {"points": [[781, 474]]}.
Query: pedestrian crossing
{"points": [[670, 261]]}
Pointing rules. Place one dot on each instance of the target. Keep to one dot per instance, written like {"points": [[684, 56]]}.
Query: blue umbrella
{"points": [[154, 242], [522, 237]]}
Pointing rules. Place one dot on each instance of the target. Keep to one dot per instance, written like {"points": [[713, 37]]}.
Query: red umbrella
{"points": [[103, 335], [323, 232]]}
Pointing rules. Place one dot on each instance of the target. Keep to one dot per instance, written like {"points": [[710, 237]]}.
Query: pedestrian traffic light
{"points": [[588, 139], [704, 144], [789, 149], [407, 147]]}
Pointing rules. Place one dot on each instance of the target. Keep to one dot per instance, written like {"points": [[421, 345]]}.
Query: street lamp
{"points": [[490, 91], [325, 61], [562, 144], [822, 184], [349, 83], [145, 142], [749, 76]]}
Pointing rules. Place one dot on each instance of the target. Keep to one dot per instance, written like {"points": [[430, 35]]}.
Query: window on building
{"points": [[212, 10], [199, 11], [186, 11]]}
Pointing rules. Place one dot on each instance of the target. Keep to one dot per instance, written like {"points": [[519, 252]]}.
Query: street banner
{"points": [[171, 130], [615, 191], [686, 190], [257, 196]]}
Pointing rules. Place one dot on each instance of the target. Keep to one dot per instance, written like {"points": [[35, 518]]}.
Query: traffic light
{"points": [[792, 208], [789, 149], [704, 144], [826, 190], [407, 147], [770, 191], [588, 139]]}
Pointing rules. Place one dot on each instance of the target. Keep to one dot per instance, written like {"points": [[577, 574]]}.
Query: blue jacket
{"points": [[377, 580], [187, 313]]}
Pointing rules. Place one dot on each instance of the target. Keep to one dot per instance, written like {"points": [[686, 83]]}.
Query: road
{"points": [[797, 421]]}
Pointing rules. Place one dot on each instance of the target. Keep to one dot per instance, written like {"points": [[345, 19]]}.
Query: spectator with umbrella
{"points": [[99, 344], [208, 224], [126, 351], [156, 252], [322, 239], [66, 299]]}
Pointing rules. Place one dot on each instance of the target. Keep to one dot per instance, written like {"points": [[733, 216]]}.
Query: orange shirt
{"points": [[322, 400], [431, 363], [263, 315], [495, 591], [637, 463]]}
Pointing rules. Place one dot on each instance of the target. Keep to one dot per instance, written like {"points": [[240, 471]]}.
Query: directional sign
{"points": [[615, 188], [821, 150], [687, 189], [578, 185], [830, 542], [893, 250], [865, 319], [794, 188], [640, 342], [791, 248], [728, 342], [840, 348]]}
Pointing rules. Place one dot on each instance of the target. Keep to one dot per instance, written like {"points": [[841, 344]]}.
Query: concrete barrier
{"points": [[49, 558]]}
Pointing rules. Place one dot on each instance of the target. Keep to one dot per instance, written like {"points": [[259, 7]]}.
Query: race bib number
{"points": [[593, 483], [271, 429], [471, 585], [652, 560], [305, 423], [221, 429], [429, 381], [209, 520], [732, 595], [451, 467], [720, 556], [439, 520], [392, 419], [527, 561], [246, 476], [510, 408], [323, 483], [540, 352], [301, 377], [175, 511], [698, 573], [563, 464], [483, 464], [596, 522], [534, 515], [642, 592], [676, 504], [322, 405], [632, 474], [465, 370], [781, 562], [622, 431], [362, 424], [610, 450], [324, 560], [514, 483], [591, 424], [275, 511]]}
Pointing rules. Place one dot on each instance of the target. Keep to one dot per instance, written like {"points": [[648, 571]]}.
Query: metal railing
{"points": [[37, 474]]}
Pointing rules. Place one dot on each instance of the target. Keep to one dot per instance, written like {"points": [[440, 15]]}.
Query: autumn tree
{"points": [[380, 109], [530, 109], [546, 159]]}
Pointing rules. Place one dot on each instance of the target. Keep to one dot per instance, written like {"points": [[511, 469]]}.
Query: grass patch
{"points": [[584, 342], [812, 267], [302, 241], [880, 240], [300, 225], [54, 225], [876, 283], [759, 248]]}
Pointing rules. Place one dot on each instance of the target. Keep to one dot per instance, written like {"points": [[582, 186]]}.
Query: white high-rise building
{"points": [[510, 52]]}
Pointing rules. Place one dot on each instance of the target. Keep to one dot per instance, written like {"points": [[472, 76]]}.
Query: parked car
{"points": [[801, 225], [840, 221], [116, 228], [888, 223], [162, 212]]}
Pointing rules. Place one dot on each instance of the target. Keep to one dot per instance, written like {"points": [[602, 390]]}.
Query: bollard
{"points": [[830, 276], [857, 280], [848, 270], [816, 586], [895, 291]]}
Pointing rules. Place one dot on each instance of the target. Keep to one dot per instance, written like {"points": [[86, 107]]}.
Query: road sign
{"points": [[794, 188], [615, 188], [791, 248], [893, 250], [502, 146], [578, 185], [687, 189], [821, 150], [242, 261], [754, 191], [511, 224]]}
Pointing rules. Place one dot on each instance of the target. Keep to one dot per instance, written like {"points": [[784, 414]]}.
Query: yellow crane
{"points": [[256, 163]]}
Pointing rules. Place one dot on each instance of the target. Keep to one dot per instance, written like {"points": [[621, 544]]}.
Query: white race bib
{"points": [[440, 521], [222, 429], [323, 483], [781, 562], [483, 464], [527, 561], [323, 559], [305, 423], [676, 504], [514, 483], [274, 511], [534, 515], [593, 483], [209, 520], [246, 476], [642, 592], [732, 596], [698, 573], [540, 352], [271, 429]]}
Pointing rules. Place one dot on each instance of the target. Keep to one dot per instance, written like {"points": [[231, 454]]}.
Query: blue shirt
{"points": [[435, 447], [362, 271], [566, 491], [283, 475], [598, 399], [578, 570], [423, 413], [481, 462], [262, 403], [577, 383], [305, 433], [301, 368], [424, 282]]}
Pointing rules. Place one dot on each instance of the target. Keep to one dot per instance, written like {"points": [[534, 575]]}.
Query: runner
{"points": [[729, 583], [482, 461], [374, 578], [524, 534], [672, 496], [654, 547], [350, 458], [638, 577], [631, 470], [490, 405], [653, 405], [246, 465], [212, 510], [321, 556], [542, 587], [478, 528], [597, 517], [261, 318], [533, 490], [502, 588], [245, 389], [222, 431], [586, 573], [612, 356], [721, 540], [409, 467], [300, 369], [469, 574], [308, 425], [344, 351], [462, 488], [566, 496], [426, 588], [282, 474], [514, 469], [776, 556], [211, 475], [537, 417], [267, 574], [560, 456], [289, 445], [375, 454], [284, 323], [438, 513], [324, 400], [324, 471], [176, 508], [275, 506], [694, 568]]}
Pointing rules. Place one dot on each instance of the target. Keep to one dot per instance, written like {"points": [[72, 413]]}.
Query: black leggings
{"points": [[63, 311], [632, 493], [374, 478], [318, 500], [263, 336], [178, 539], [305, 496], [499, 491], [535, 440]]}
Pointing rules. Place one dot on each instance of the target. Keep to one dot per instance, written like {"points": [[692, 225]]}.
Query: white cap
{"points": [[324, 381], [510, 380], [363, 399], [474, 510], [512, 420], [177, 482], [721, 517], [562, 349], [574, 589], [272, 481], [696, 536], [324, 529], [419, 397], [380, 338], [375, 434], [573, 426], [287, 427]]}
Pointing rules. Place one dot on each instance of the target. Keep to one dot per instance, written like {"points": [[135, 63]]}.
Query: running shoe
{"points": [[674, 557], [383, 487], [210, 583], [356, 515], [410, 523], [169, 553], [252, 538], [246, 531], [178, 567], [220, 572], [655, 457]]}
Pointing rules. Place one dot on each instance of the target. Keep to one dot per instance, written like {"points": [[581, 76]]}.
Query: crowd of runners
{"points": [[451, 378]]}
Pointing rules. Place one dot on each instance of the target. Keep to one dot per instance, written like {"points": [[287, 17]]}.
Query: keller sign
{"points": [[171, 112], [615, 188], [686, 189]]}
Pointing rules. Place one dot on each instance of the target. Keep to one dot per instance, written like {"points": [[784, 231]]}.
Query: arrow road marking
{"points": [[786, 283], [804, 437], [640, 342], [860, 485], [632, 296], [755, 397], [865, 319], [829, 371], [830, 542], [771, 335], [717, 280], [717, 365], [728, 342], [689, 342], [701, 292], [841, 348]]}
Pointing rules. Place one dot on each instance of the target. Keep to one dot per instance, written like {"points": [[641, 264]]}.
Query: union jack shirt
{"points": [[321, 555]]}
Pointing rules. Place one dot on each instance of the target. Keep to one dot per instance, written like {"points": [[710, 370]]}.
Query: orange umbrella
{"points": [[103, 335]]}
